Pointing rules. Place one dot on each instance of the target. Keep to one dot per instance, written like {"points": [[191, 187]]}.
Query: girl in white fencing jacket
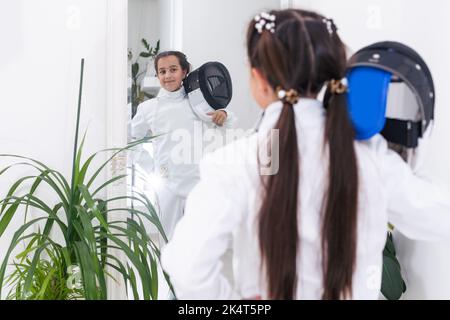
{"points": [[179, 145], [310, 220]]}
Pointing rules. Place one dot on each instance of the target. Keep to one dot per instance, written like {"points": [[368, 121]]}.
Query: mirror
{"points": [[204, 31], [166, 169]]}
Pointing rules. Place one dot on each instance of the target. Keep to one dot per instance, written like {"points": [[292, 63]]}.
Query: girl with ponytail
{"points": [[315, 226]]}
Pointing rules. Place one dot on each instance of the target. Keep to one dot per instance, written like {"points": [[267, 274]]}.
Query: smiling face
{"points": [[170, 73]]}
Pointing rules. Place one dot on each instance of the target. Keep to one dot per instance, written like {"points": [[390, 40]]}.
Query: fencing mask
{"points": [[208, 88], [391, 91]]}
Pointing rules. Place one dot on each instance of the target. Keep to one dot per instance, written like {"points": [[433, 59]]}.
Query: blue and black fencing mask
{"points": [[391, 92], [209, 88]]}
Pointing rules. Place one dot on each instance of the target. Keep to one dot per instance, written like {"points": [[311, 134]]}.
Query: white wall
{"points": [[42, 44], [423, 25], [143, 22]]}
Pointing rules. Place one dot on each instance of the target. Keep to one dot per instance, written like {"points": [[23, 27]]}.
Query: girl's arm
{"points": [[139, 125], [139, 128], [214, 209], [231, 119], [223, 117], [417, 207]]}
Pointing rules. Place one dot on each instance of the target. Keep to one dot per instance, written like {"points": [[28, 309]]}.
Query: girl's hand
{"points": [[218, 117]]}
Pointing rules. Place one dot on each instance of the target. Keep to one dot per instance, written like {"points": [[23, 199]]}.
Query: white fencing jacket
{"points": [[222, 208], [181, 138]]}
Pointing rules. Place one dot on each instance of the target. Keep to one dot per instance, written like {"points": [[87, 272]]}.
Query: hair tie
{"points": [[329, 23], [338, 86], [265, 21], [290, 96]]}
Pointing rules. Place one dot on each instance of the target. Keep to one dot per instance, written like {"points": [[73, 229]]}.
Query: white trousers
{"points": [[171, 209]]}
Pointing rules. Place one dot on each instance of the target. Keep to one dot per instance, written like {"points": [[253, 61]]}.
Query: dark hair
{"points": [[182, 59], [305, 53]]}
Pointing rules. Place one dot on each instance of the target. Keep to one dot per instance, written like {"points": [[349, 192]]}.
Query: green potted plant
{"points": [[76, 267], [137, 95]]}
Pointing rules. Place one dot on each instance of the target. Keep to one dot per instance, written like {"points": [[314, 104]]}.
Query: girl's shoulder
{"points": [[375, 148], [372, 145], [148, 104], [375, 153]]}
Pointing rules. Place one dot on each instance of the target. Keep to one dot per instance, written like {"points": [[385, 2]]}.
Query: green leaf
{"points": [[32, 269], [107, 183], [105, 163], [81, 173], [87, 270], [154, 273], [86, 231], [57, 175], [38, 204], [6, 218], [45, 284], [133, 283], [134, 69], [157, 48], [75, 162], [35, 185], [91, 205], [134, 258], [14, 188], [145, 43]]}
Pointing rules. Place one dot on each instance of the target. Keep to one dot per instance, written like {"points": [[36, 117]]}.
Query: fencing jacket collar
{"points": [[308, 113], [179, 94]]}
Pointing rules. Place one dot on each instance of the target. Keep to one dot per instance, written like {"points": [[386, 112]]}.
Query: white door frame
{"points": [[176, 22], [116, 115]]}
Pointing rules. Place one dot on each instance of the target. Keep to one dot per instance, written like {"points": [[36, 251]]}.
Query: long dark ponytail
{"points": [[340, 216], [303, 54]]}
